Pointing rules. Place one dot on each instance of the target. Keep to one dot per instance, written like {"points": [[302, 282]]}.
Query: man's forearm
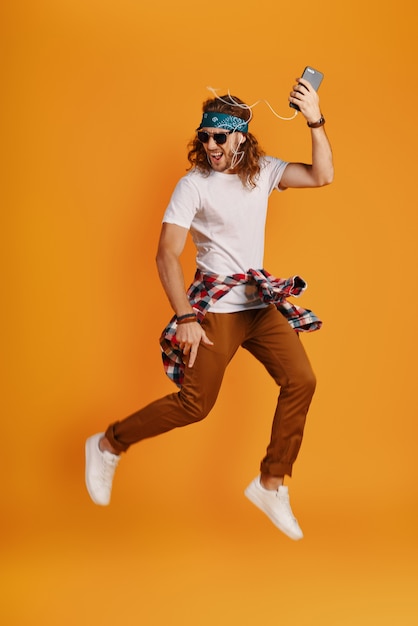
{"points": [[322, 161], [172, 280]]}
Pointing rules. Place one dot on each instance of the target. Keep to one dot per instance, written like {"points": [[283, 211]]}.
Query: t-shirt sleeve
{"points": [[183, 204], [275, 168]]}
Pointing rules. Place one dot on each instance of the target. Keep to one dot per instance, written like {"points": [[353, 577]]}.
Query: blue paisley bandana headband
{"points": [[212, 119]]}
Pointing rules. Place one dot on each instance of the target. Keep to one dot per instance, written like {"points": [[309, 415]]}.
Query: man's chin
{"points": [[221, 166]]}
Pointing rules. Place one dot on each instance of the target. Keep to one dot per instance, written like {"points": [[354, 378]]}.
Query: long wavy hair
{"points": [[249, 166]]}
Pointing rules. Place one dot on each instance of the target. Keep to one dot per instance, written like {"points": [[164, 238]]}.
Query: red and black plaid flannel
{"points": [[208, 288]]}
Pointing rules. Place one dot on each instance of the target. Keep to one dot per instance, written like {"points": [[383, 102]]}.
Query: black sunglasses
{"points": [[218, 138]]}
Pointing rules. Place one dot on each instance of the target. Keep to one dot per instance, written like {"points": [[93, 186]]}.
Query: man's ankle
{"points": [[106, 446], [271, 483]]}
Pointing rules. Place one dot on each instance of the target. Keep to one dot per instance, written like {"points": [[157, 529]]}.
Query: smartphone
{"points": [[314, 77]]}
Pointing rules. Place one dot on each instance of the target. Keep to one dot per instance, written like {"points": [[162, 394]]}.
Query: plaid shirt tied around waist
{"points": [[207, 288]]}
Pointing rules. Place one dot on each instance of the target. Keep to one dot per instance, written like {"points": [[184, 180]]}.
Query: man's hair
{"points": [[249, 166]]}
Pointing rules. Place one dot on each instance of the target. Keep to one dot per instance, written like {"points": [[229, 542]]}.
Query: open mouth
{"points": [[216, 156]]}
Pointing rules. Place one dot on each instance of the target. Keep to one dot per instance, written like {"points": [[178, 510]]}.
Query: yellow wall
{"points": [[99, 102]]}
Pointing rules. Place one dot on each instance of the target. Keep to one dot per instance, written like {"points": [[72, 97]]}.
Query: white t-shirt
{"points": [[227, 224]]}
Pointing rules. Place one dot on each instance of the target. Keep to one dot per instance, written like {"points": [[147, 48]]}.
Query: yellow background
{"points": [[99, 101]]}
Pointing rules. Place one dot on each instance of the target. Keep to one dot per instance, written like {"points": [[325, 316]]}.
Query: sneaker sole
{"points": [[89, 443]]}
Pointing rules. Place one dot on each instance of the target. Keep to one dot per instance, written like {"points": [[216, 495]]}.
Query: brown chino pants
{"points": [[267, 335]]}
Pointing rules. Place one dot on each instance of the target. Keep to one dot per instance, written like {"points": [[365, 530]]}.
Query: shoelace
{"points": [[109, 464], [285, 501]]}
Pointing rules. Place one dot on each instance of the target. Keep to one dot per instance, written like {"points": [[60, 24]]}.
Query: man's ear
{"points": [[242, 139]]}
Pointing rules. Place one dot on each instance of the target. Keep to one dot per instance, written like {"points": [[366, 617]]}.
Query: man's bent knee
{"points": [[304, 380], [194, 410]]}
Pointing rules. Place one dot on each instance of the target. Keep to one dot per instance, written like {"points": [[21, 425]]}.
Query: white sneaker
{"points": [[100, 468], [276, 505]]}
